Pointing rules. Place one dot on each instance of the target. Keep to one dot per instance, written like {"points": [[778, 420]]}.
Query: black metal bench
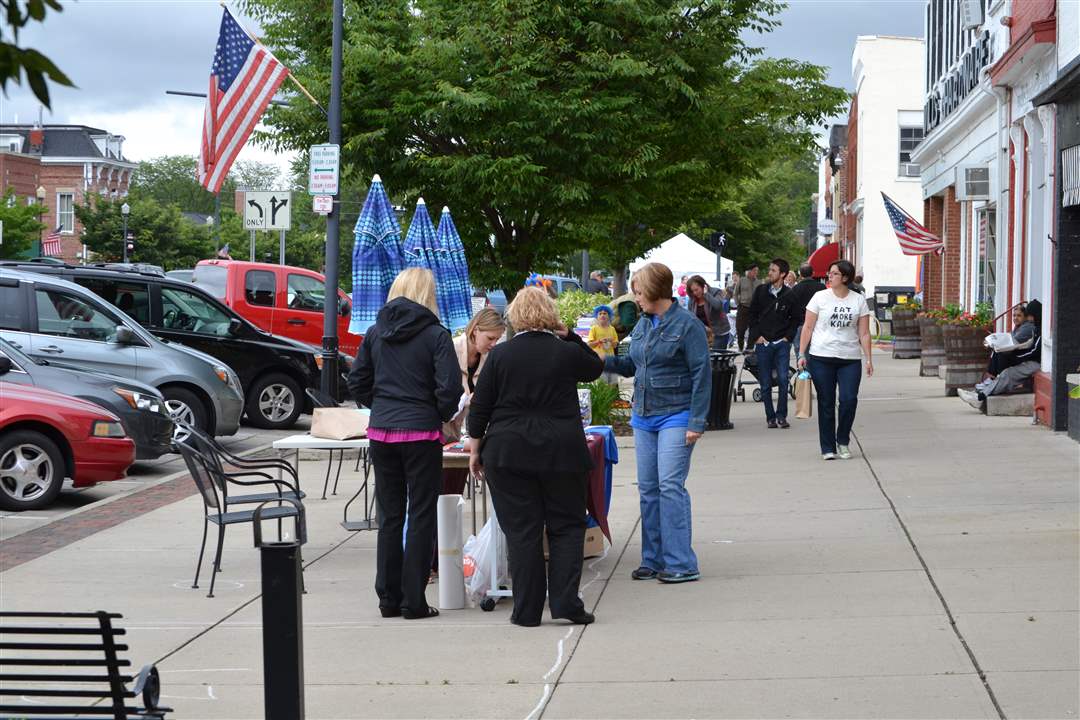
{"points": [[67, 658]]}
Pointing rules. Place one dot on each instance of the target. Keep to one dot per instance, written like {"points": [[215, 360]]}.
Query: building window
{"points": [[987, 255], [910, 137], [65, 212]]}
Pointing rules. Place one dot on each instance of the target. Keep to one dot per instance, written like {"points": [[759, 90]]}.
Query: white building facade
{"points": [[888, 74]]}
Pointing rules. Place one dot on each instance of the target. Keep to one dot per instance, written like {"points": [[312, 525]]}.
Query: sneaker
{"points": [[772, 425], [843, 452], [644, 573], [828, 456], [672, 578], [783, 423]]}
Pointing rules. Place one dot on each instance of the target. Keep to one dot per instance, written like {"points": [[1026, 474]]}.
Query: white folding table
{"points": [[305, 441]]}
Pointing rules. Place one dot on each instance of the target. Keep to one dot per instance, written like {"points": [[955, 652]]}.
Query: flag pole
{"points": [[289, 74]]}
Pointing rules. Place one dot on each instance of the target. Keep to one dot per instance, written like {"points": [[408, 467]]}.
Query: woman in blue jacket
{"points": [[669, 361]]}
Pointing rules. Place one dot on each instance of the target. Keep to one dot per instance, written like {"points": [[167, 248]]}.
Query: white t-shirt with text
{"points": [[836, 333]]}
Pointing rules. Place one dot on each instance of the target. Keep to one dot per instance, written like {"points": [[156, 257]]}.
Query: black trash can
{"points": [[723, 382]]}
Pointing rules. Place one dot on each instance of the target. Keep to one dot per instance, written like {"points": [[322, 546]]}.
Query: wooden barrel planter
{"points": [[932, 347], [965, 356], [906, 342]]}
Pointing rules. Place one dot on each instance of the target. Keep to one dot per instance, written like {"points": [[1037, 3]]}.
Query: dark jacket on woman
{"points": [[714, 310], [526, 406], [407, 371]]}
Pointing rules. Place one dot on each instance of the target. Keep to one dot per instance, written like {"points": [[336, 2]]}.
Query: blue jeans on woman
{"points": [[663, 463], [829, 373]]}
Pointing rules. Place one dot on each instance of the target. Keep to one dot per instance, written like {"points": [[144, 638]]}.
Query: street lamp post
{"points": [[328, 378], [125, 210], [40, 193]]}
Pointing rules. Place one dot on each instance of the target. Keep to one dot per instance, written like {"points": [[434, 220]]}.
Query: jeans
{"points": [[663, 462], [721, 342], [776, 357], [828, 373]]}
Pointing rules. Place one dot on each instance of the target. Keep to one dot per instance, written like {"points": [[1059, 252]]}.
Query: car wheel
{"points": [[185, 406], [31, 470], [274, 402]]}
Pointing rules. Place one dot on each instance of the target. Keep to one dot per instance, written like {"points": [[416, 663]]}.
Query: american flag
{"points": [[243, 80], [52, 247], [914, 238]]}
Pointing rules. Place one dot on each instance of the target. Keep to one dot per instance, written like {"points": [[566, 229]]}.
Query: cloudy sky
{"points": [[124, 54]]}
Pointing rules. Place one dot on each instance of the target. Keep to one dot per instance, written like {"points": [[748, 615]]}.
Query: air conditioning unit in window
{"points": [[973, 182], [971, 14], [909, 170]]}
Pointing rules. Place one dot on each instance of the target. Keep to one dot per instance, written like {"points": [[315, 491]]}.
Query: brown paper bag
{"points": [[804, 398], [340, 423]]}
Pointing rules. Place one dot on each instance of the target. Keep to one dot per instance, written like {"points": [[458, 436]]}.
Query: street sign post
{"points": [[268, 210], [324, 162]]}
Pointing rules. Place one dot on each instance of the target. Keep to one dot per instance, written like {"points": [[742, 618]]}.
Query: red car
{"points": [[46, 437], [281, 299]]}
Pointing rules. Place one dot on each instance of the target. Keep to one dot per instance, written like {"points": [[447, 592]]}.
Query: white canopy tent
{"points": [[686, 257]]}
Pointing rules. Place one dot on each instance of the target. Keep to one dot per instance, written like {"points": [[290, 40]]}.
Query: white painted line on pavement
{"points": [[592, 568], [554, 668], [210, 692]]}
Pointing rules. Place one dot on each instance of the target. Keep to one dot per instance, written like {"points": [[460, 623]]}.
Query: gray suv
{"points": [[56, 320]]}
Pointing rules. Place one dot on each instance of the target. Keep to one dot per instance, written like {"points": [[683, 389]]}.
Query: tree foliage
{"points": [[21, 225], [161, 234], [548, 127], [15, 60]]}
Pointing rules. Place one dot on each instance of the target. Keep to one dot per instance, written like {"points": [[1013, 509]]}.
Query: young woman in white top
{"points": [[837, 332]]}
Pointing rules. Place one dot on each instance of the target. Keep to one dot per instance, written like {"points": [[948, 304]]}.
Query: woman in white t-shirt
{"points": [[837, 333]]}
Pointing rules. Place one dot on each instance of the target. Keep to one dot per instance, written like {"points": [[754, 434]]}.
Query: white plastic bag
{"points": [[476, 561]]}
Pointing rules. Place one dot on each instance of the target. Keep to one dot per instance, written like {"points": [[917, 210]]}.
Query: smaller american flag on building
{"points": [[914, 238], [52, 247]]}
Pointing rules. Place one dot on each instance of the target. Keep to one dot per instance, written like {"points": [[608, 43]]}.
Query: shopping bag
{"points": [[340, 423], [804, 396], [476, 561]]}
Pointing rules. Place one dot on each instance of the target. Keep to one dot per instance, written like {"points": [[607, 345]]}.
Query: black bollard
{"points": [[282, 620]]}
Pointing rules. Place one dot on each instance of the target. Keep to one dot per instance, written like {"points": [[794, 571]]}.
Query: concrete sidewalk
{"points": [[828, 590]]}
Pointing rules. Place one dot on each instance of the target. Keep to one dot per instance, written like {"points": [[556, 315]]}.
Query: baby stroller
{"points": [[750, 365]]}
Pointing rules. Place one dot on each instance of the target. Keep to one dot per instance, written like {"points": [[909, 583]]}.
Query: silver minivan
{"points": [[61, 322]]}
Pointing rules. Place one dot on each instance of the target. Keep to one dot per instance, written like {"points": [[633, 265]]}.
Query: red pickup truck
{"points": [[280, 299]]}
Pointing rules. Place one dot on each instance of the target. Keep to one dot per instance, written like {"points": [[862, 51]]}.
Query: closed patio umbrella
{"points": [[377, 257], [457, 285]]}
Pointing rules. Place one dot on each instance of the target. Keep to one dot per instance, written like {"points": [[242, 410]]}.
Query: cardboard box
{"points": [[594, 543]]}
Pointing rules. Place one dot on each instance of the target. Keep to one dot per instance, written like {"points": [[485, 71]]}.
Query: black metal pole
{"points": [[328, 380], [283, 631]]}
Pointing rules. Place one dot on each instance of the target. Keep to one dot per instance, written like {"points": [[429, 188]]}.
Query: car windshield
{"points": [[212, 278], [187, 311]]}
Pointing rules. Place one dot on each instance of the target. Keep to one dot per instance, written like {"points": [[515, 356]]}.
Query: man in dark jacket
{"points": [[800, 295], [772, 327]]}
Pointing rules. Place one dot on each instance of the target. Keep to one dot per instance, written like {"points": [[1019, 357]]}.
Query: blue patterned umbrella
{"points": [[377, 257], [420, 239], [423, 249], [457, 285]]}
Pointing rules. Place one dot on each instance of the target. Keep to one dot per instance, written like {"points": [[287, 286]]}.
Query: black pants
{"points": [[525, 502], [1001, 361], [411, 471], [742, 325]]}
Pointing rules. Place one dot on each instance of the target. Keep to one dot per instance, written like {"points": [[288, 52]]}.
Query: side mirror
{"points": [[235, 324], [343, 307], [5, 364], [125, 335]]}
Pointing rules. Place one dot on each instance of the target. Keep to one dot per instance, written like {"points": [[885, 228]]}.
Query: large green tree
{"points": [[541, 122], [161, 234], [21, 225]]}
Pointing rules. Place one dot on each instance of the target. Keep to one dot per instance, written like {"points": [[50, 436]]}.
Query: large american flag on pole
{"points": [[243, 80], [52, 247], [914, 238]]}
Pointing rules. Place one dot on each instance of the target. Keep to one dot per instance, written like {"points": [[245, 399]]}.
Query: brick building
{"points": [[67, 163]]}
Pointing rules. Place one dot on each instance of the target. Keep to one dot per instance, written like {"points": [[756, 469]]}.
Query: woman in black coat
{"points": [[529, 443], [407, 373]]}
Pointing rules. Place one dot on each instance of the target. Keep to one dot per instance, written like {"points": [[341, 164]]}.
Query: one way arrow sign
{"points": [[268, 210]]}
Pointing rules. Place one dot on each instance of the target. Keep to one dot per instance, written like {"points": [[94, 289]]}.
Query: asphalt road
{"points": [[141, 473]]}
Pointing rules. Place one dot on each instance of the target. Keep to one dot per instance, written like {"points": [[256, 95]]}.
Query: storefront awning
{"points": [[823, 257]]}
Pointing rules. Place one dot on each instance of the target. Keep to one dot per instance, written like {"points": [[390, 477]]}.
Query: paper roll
{"points": [[451, 520]]}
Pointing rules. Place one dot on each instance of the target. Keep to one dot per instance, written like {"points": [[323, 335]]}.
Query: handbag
{"points": [[804, 396], [339, 423]]}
